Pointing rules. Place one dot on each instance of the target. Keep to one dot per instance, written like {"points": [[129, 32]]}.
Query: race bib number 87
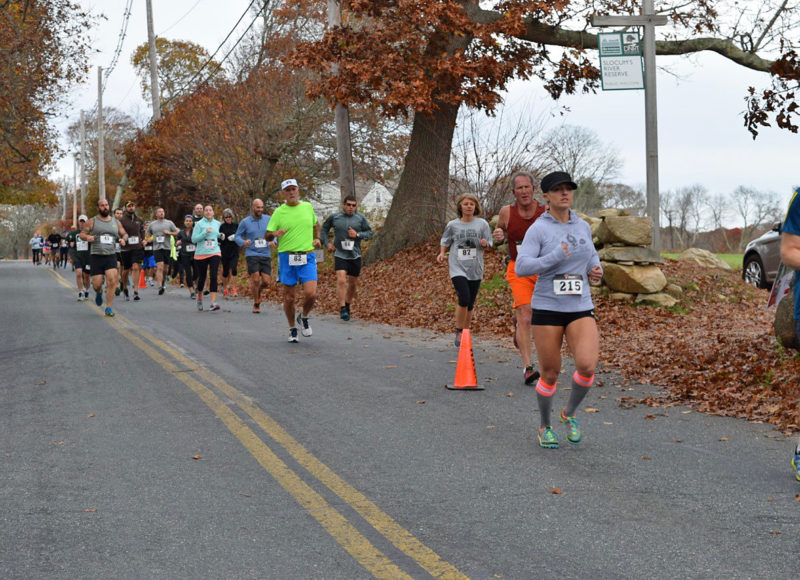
{"points": [[467, 253], [568, 285]]}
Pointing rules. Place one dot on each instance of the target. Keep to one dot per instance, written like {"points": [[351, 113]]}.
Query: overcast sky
{"points": [[702, 139]]}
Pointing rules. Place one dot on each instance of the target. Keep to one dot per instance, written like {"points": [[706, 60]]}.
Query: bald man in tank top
{"points": [[514, 221]]}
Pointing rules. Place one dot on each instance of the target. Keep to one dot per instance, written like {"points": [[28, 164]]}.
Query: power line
{"points": [[178, 21], [125, 19], [188, 83]]}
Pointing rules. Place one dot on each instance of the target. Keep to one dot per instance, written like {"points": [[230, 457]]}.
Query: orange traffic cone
{"points": [[142, 283], [466, 379]]}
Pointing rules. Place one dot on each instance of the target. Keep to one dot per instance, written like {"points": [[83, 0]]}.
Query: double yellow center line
{"points": [[336, 524]]}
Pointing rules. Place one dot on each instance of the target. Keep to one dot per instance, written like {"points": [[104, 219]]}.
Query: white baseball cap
{"points": [[287, 182], [83, 218]]}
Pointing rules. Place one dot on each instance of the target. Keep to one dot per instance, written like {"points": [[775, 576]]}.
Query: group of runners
{"points": [[551, 263], [552, 260], [112, 250], [52, 250]]}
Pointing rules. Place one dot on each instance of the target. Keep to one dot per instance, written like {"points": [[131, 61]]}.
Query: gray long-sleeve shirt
{"points": [[464, 241], [341, 224], [541, 253]]}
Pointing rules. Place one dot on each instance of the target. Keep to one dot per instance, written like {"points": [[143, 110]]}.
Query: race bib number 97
{"points": [[568, 285]]}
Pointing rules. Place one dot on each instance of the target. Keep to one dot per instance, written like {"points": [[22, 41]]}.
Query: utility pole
{"points": [[648, 20], [151, 51], [83, 164], [75, 190], [101, 146], [344, 151]]}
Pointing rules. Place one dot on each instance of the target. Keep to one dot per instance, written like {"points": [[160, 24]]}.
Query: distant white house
{"points": [[374, 200]]}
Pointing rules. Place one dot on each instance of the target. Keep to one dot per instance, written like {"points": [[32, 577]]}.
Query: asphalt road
{"points": [[167, 443]]}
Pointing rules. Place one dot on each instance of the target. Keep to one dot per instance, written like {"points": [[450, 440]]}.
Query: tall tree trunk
{"points": [[419, 204]]}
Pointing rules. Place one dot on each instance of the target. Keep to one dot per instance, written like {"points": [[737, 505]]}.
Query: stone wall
{"points": [[630, 267]]}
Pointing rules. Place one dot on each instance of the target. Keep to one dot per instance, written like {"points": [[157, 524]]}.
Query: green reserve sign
{"points": [[621, 65]]}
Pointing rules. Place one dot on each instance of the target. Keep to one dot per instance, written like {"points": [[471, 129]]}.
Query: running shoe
{"points": [[206, 292], [305, 329], [235, 293], [573, 429], [214, 306], [117, 291], [136, 297], [548, 438], [225, 293], [293, 335], [161, 290], [457, 340], [530, 375], [127, 296], [256, 308], [796, 464], [80, 296], [200, 305], [98, 298], [192, 295], [151, 282], [343, 313], [109, 312], [182, 285]]}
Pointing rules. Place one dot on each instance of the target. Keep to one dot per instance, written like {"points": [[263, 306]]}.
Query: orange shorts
{"points": [[521, 288]]}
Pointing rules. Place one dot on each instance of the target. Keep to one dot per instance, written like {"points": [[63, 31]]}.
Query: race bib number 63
{"points": [[568, 285]]}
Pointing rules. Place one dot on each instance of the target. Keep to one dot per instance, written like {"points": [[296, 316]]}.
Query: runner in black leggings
{"points": [[466, 237]]}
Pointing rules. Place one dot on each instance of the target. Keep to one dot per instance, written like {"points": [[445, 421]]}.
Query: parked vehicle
{"points": [[761, 259]]}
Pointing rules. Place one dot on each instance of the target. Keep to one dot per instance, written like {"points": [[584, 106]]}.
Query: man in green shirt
{"points": [[297, 230]]}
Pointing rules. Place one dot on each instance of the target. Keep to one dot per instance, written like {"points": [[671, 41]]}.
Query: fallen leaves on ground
{"points": [[715, 351]]}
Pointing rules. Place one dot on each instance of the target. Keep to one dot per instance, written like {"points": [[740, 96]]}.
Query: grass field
{"points": [[733, 260]]}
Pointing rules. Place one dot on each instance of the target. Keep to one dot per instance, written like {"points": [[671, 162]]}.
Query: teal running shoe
{"points": [[573, 429], [109, 313], [98, 298], [548, 438], [796, 464]]}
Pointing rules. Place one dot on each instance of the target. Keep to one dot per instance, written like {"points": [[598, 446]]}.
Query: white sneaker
{"points": [[302, 323]]}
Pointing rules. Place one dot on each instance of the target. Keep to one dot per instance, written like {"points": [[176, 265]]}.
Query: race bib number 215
{"points": [[568, 285]]}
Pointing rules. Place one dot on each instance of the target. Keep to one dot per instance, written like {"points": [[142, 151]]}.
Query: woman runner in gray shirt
{"points": [[558, 247], [466, 237]]}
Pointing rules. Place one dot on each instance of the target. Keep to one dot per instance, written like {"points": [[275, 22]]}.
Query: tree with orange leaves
{"points": [[428, 58], [44, 46]]}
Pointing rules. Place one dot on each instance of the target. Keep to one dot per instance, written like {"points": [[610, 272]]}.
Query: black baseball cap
{"points": [[557, 178]]}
